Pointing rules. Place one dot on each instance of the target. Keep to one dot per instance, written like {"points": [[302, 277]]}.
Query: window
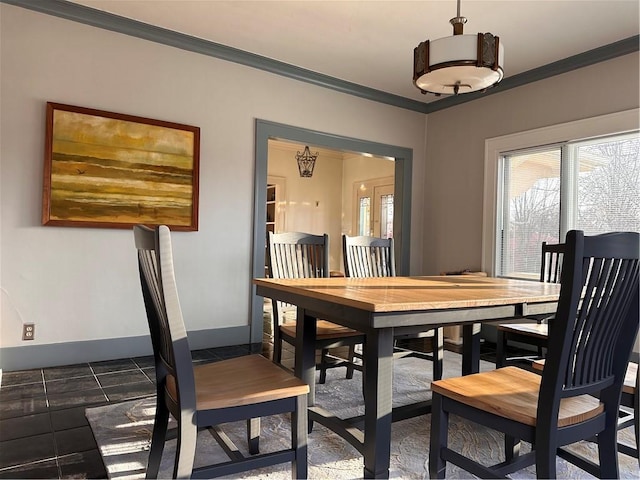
{"points": [[529, 210], [591, 185], [575, 157]]}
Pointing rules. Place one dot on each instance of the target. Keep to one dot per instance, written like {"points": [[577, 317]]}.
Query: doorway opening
{"points": [[398, 205]]}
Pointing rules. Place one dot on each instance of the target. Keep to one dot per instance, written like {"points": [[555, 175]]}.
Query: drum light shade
{"points": [[458, 64]]}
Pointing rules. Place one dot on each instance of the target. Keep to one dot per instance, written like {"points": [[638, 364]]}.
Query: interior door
{"points": [[383, 211], [374, 209]]}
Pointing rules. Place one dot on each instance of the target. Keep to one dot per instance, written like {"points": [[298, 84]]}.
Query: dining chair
{"points": [[531, 333], [593, 333], [366, 256], [208, 395], [629, 413], [303, 255]]}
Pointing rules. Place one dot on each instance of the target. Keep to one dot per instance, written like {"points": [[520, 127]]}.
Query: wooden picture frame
{"points": [[105, 169]]}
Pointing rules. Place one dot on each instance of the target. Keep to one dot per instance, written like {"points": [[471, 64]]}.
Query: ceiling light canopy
{"points": [[458, 64]]}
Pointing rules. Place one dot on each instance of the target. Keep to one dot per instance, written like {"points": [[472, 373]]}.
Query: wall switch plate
{"points": [[28, 331]]}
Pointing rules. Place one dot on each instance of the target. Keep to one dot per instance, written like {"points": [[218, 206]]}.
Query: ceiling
{"points": [[370, 43]]}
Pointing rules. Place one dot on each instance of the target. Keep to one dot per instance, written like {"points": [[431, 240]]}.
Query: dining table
{"points": [[383, 307]]}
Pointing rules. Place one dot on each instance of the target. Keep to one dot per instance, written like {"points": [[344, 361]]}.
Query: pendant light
{"points": [[458, 64]]}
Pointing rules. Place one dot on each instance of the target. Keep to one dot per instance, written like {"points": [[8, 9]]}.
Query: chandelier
{"points": [[306, 162], [458, 64]]}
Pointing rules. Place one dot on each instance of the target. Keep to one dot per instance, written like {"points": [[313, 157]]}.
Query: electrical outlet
{"points": [[28, 331]]}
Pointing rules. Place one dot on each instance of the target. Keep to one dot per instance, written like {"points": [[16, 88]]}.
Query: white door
{"points": [[383, 211], [374, 209]]}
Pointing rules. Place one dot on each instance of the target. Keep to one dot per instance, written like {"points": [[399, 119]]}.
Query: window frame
{"points": [[615, 123]]}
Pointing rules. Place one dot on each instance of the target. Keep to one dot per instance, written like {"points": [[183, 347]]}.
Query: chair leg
{"points": [[439, 432], [511, 448], [608, 450], [277, 349], [501, 347], [438, 353], [546, 457], [253, 435], [185, 447], [299, 424], [157, 438], [323, 365], [636, 416], [352, 358]]}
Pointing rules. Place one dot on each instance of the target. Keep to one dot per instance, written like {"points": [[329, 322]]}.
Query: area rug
{"points": [[123, 433]]}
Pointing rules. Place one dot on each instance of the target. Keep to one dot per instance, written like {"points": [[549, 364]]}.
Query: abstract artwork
{"points": [[105, 169]]}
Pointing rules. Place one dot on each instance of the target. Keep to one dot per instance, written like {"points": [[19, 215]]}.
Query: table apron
{"points": [[460, 316], [364, 320]]}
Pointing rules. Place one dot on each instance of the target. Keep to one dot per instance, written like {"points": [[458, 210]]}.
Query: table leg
{"points": [[378, 367], [470, 348], [305, 367]]}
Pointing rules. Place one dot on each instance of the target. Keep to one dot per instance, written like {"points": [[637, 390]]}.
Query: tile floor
{"points": [[43, 429]]}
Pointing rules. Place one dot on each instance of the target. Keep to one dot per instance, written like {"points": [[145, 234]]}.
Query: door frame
{"points": [[266, 130]]}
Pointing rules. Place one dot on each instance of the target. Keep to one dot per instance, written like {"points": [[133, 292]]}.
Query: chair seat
{"points": [[512, 393], [324, 330], [240, 381], [537, 330], [629, 378]]}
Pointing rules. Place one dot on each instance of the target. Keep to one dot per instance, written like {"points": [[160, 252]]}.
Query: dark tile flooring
{"points": [[43, 429]]}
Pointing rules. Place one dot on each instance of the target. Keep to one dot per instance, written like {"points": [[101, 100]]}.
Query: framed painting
{"points": [[105, 169]]}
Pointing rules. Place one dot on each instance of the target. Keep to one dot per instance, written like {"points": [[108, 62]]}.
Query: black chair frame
{"points": [[174, 372], [550, 271], [366, 256], [311, 254], [595, 327]]}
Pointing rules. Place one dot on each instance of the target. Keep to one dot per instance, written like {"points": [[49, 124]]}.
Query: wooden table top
{"points": [[398, 294]]}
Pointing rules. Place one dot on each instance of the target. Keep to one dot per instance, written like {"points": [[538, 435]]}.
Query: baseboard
{"points": [[69, 353]]}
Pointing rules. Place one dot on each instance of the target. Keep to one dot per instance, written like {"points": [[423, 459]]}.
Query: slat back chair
{"points": [[551, 264], [207, 395], [630, 415], [530, 333], [594, 330], [303, 255], [629, 405], [366, 256]]}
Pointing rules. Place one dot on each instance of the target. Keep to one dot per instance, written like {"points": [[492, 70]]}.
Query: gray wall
{"points": [[456, 148], [80, 285]]}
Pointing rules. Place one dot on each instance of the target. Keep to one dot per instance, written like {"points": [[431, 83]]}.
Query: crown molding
{"points": [[116, 23]]}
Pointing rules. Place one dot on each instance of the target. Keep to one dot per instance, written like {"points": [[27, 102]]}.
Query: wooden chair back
{"points": [[368, 256], [595, 325], [551, 266], [206, 395], [166, 325], [298, 255]]}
